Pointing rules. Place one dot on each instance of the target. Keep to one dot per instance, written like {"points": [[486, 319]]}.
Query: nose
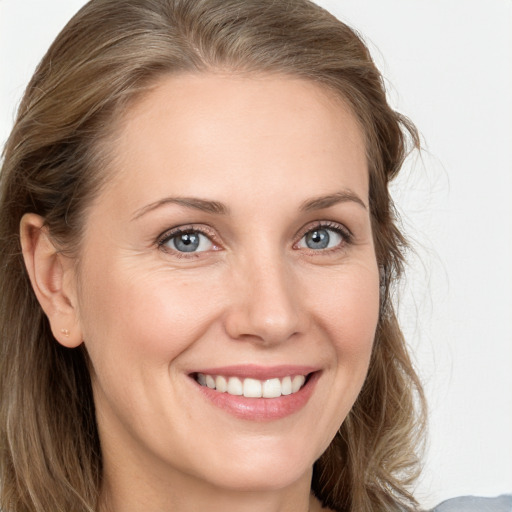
{"points": [[265, 304]]}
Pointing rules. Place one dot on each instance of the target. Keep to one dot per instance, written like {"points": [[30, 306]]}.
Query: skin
{"points": [[263, 146]]}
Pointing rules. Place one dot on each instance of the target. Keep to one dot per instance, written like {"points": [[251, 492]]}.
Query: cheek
{"points": [[347, 313], [350, 310], [151, 314]]}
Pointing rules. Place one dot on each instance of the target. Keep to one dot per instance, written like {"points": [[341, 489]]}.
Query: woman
{"points": [[198, 252]]}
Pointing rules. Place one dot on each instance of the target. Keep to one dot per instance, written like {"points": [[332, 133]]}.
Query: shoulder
{"points": [[474, 504]]}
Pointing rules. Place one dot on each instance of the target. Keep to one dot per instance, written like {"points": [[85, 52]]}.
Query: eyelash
{"points": [[167, 236], [343, 232]]}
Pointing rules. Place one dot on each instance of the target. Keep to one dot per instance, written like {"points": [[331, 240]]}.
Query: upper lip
{"points": [[258, 372]]}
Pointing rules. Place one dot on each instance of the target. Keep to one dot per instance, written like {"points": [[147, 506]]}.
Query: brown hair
{"points": [[106, 55]]}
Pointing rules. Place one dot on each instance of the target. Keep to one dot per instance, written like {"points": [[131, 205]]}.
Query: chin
{"points": [[264, 468], [263, 479]]}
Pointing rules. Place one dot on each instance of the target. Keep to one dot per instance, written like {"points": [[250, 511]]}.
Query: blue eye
{"points": [[189, 241], [321, 238]]}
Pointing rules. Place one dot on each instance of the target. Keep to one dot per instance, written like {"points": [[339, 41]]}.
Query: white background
{"points": [[448, 66]]}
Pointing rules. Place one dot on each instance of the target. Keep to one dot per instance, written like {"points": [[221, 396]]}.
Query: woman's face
{"points": [[231, 248]]}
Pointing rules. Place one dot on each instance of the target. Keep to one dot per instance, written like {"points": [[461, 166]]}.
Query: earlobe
{"points": [[52, 277]]}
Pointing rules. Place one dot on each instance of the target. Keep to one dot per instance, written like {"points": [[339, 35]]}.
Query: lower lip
{"points": [[261, 409]]}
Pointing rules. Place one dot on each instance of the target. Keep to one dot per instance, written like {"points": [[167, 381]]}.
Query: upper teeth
{"points": [[253, 388]]}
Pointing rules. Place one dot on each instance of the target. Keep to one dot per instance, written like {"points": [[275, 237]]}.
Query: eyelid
{"points": [[168, 234], [346, 234], [210, 233], [325, 224]]}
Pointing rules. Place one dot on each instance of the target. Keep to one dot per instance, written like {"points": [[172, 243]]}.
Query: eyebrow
{"points": [[344, 196], [188, 202], [215, 207]]}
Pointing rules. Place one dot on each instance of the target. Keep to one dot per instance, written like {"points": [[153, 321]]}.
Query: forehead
{"points": [[212, 130]]}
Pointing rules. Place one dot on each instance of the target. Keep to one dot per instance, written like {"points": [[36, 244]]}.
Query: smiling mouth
{"points": [[252, 388]]}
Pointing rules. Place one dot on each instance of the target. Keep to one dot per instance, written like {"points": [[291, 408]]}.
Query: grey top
{"points": [[474, 504]]}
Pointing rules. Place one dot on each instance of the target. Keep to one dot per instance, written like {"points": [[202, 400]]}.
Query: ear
{"points": [[52, 275]]}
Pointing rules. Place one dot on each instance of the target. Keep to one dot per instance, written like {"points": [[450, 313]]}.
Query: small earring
{"points": [[65, 332]]}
